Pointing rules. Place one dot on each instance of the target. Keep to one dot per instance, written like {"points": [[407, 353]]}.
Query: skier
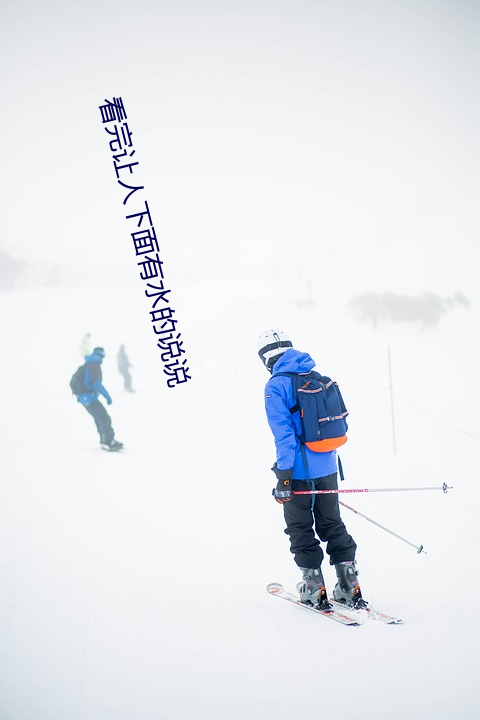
{"points": [[299, 468], [88, 397], [123, 366], [85, 345]]}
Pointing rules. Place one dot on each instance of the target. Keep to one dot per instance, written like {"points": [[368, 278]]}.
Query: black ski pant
{"points": [[310, 517], [102, 421]]}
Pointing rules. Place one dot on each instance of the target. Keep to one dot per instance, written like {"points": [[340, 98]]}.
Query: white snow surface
{"points": [[133, 584]]}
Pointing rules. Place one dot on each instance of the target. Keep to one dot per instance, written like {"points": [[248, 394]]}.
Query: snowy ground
{"points": [[133, 585]]}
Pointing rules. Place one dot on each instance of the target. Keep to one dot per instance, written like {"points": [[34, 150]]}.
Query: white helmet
{"points": [[271, 344]]}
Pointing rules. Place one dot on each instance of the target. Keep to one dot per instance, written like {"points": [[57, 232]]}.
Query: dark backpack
{"points": [[322, 411], [78, 379]]}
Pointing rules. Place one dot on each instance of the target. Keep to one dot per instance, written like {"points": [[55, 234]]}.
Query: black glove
{"points": [[282, 474], [283, 492]]}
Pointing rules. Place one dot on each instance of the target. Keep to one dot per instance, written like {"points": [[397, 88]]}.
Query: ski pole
{"points": [[418, 548], [443, 487]]}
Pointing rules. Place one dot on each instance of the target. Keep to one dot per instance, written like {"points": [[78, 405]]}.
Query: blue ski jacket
{"points": [[93, 381], [285, 426]]}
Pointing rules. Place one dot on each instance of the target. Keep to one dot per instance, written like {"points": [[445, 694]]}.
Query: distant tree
{"points": [[459, 299], [427, 309], [10, 270]]}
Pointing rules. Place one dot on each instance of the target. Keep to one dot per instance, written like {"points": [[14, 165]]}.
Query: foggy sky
{"points": [[349, 128]]}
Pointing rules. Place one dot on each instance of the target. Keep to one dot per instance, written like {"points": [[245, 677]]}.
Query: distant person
{"points": [[123, 366], [87, 385], [307, 465], [85, 345]]}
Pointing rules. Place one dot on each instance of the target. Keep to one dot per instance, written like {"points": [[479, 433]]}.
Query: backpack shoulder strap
{"points": [[293, 377], [86, 376]]}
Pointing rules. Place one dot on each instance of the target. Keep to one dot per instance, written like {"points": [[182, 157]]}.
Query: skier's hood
{"points": [[293, 361], [93, 358]]}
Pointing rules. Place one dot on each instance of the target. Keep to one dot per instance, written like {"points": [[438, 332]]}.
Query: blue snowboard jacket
{"points": [[285, 426], [93, 381]]}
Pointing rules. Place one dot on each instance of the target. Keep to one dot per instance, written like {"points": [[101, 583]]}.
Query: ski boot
{"points": [[312, 589], [347, 590], [112, 446]]}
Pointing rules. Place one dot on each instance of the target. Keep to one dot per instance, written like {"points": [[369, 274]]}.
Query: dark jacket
{"points": [[93, 381]]}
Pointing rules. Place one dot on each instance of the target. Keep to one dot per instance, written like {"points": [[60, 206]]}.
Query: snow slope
{"points": [[289, 152], [133, 585]]}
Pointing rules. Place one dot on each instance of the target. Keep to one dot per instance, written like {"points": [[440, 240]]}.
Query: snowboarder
{"points": [[88, 397], [123, 366], [308, 518]]}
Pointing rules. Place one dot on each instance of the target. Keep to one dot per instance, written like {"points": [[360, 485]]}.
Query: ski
{"points": [[337, 614], [371, 613]]}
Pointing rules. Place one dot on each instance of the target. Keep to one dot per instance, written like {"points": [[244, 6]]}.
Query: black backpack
{"points": [[78, 379]]}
